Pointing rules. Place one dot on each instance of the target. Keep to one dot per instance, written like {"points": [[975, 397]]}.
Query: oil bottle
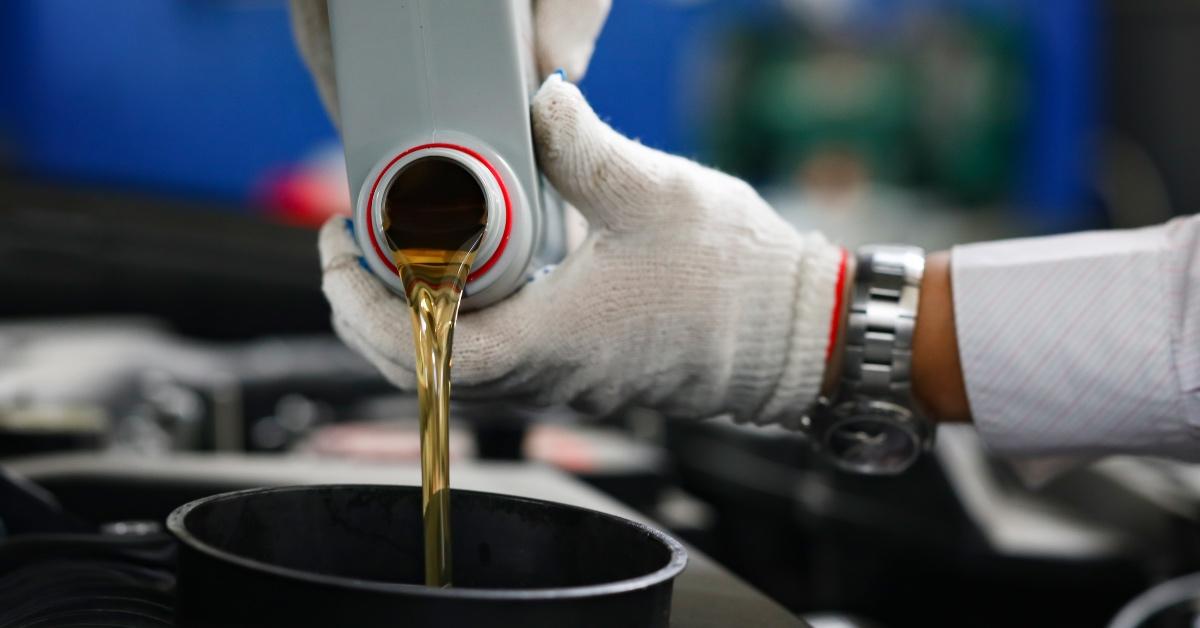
{"points": [[451, 81]]}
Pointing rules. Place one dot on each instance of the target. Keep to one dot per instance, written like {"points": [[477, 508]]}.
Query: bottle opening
{"points": [[434, 203]]}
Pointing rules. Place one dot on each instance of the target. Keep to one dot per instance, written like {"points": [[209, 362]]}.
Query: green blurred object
{"points": [[936, 107]]}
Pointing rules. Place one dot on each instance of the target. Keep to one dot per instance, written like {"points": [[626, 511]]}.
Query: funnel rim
{"points": [[177, 525]]}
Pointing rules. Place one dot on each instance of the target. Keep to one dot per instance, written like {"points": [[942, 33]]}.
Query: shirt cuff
{"points": [[1066, 347]]}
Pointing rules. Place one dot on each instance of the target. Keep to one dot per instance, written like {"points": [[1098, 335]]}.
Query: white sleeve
{"points": [[1082, 345]]}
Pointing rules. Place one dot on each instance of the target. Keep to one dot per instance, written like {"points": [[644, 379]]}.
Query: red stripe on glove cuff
{"points": [[835, 325]]}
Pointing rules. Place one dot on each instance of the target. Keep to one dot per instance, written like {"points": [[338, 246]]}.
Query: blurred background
{"points": [[164, 165]]}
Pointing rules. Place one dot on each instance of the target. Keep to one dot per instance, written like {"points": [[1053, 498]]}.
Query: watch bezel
{"points": [[893, 415]]}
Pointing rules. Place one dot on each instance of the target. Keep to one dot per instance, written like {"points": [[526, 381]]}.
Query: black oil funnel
{"points": [[351, 555]]}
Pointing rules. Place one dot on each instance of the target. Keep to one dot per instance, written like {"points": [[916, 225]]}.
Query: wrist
{"points": [[937, 378]]}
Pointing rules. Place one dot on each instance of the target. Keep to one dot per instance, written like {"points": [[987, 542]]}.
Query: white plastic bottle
{"points": [[450, 80]]}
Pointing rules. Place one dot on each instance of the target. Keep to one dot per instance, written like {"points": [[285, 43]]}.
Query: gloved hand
{"points": [[690, 294], [565, 35]]}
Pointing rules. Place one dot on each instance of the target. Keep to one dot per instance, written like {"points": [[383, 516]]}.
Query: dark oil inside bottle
{"points": [[434, 217]]}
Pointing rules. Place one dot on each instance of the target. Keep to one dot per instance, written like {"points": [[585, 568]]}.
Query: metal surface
{"points": [[878, 359], [706, 595], [870, 425]]}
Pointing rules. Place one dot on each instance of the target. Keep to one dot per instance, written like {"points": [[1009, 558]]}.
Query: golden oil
{"points": [[434, 216]]}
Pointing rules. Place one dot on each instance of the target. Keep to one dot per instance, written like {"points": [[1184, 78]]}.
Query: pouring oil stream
{"points": [[435, 216]]}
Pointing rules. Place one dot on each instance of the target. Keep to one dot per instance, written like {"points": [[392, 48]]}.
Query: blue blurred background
{"points": [[974, 103], [930, 121], [193, 97]]}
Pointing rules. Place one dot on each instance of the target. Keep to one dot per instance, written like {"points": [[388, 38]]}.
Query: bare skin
{"points": [[936, 371]]}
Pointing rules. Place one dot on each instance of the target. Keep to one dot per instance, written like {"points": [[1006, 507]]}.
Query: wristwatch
{"points": [[871, 424]]}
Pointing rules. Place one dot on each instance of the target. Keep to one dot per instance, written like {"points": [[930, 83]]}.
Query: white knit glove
{"points": [[565, 35], [690, 294]]}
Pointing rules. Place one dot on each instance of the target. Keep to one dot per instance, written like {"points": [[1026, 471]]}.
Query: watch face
{"points": [[878, 444]]}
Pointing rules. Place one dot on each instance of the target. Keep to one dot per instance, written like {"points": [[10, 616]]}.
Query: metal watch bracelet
{"points": [[870, 424], [877, 358]]}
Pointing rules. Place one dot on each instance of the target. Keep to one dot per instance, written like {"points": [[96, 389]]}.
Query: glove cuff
{"points": [[811, 332]]}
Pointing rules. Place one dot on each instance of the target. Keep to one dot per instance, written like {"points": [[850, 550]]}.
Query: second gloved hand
{"points": [[689, 295]]}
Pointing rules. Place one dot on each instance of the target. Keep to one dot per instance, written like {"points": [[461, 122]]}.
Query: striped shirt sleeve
{"points": [[1078, 346]]}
